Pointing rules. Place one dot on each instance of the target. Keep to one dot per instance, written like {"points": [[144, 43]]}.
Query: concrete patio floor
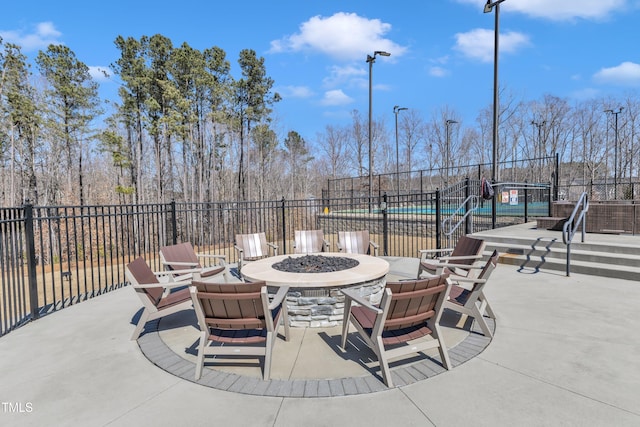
{"points": [[565, 352]]}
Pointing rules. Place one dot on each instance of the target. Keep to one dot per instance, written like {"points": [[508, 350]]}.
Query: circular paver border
{"points": [[157, 352]]}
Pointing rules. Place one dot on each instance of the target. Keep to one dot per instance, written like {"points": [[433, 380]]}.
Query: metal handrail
{"points": [[571, 225], [447, 221], [519, 185]]}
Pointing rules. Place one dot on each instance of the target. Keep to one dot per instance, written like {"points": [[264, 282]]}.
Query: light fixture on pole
{"points": [[615, 149], [494, 163], [370, 61], [448, 123], [397, 110]]}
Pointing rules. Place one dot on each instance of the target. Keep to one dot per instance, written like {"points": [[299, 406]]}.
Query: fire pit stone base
{"points": [[324, 308]]}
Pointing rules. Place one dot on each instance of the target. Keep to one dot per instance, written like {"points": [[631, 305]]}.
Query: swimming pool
{"points": [[503, 209]]}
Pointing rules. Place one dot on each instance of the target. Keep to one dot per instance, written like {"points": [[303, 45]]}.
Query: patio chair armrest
{"points": [[459, 258], [279, 297], [424, 252], [166, 286], [180, 263], [221, 258], [326, 246], [454, 265], [173, 273], [352, 294], [274, 247], [339, 247], [467, 280], [375, 247], [239, 249]]}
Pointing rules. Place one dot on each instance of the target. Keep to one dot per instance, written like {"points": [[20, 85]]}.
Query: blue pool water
{"points": [[534, 209]]}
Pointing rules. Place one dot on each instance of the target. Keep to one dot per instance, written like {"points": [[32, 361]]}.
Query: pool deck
{"points": [[565, 352]]}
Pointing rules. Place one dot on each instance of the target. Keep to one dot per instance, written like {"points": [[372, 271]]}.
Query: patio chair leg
{"points": [[477, 315], [200, 361], [487, 308], [345, 323], [285, 323], [384, 363], [140, 326], [267, 355], [442, 347]]}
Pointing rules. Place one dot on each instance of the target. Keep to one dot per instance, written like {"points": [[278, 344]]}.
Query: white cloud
{"points": [[438, 72], [555, 10], [99, 73], [336, 97], [478, 43], [342, 36], [625, 74], [339, 75], [586, 94], [43, 35], [295, 91]]}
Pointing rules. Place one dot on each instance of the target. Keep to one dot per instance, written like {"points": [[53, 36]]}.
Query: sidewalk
{"points": [[565, 352]]}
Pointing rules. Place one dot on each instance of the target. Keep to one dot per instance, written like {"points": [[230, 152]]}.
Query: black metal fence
{"points": [[539, 169], [600, 190], [55, 256]]}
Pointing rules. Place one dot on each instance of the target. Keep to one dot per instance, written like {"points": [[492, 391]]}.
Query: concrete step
{"points": [[625, 272], [604, 255], [548, 252], [557, 243]]}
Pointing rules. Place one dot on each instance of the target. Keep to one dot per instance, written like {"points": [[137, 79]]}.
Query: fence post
{"points": [[526, 202], [385, 226], [494, 206], [468, 222], [31, 260], [284, 227], [556, 179], [438, 219], [174, 222]]}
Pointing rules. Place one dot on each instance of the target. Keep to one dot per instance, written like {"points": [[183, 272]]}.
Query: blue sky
{"points": [[316, 50]]}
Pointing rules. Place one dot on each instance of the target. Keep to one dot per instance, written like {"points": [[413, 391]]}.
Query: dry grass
{"points": [[54, 290]]}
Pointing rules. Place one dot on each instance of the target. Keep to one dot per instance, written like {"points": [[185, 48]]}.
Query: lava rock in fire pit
{"points": [[315, 264]]}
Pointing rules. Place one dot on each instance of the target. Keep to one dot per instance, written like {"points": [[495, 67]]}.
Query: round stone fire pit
{"points": [[315, 264], [315, 298]]}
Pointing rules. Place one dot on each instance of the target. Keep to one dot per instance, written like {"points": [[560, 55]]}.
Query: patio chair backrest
{"points": [[413, 302], [253, 245], [231, 305], [354, 242], [309, 241], [467, 246], [491, 264], [139, 273], [181, 252], [484, 275]]}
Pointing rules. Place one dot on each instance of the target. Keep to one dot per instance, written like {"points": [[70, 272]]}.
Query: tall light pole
{"points": [[539, 125], [370, 61], [448, 123], [494, 164], [397, 110], [615, 150]]}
